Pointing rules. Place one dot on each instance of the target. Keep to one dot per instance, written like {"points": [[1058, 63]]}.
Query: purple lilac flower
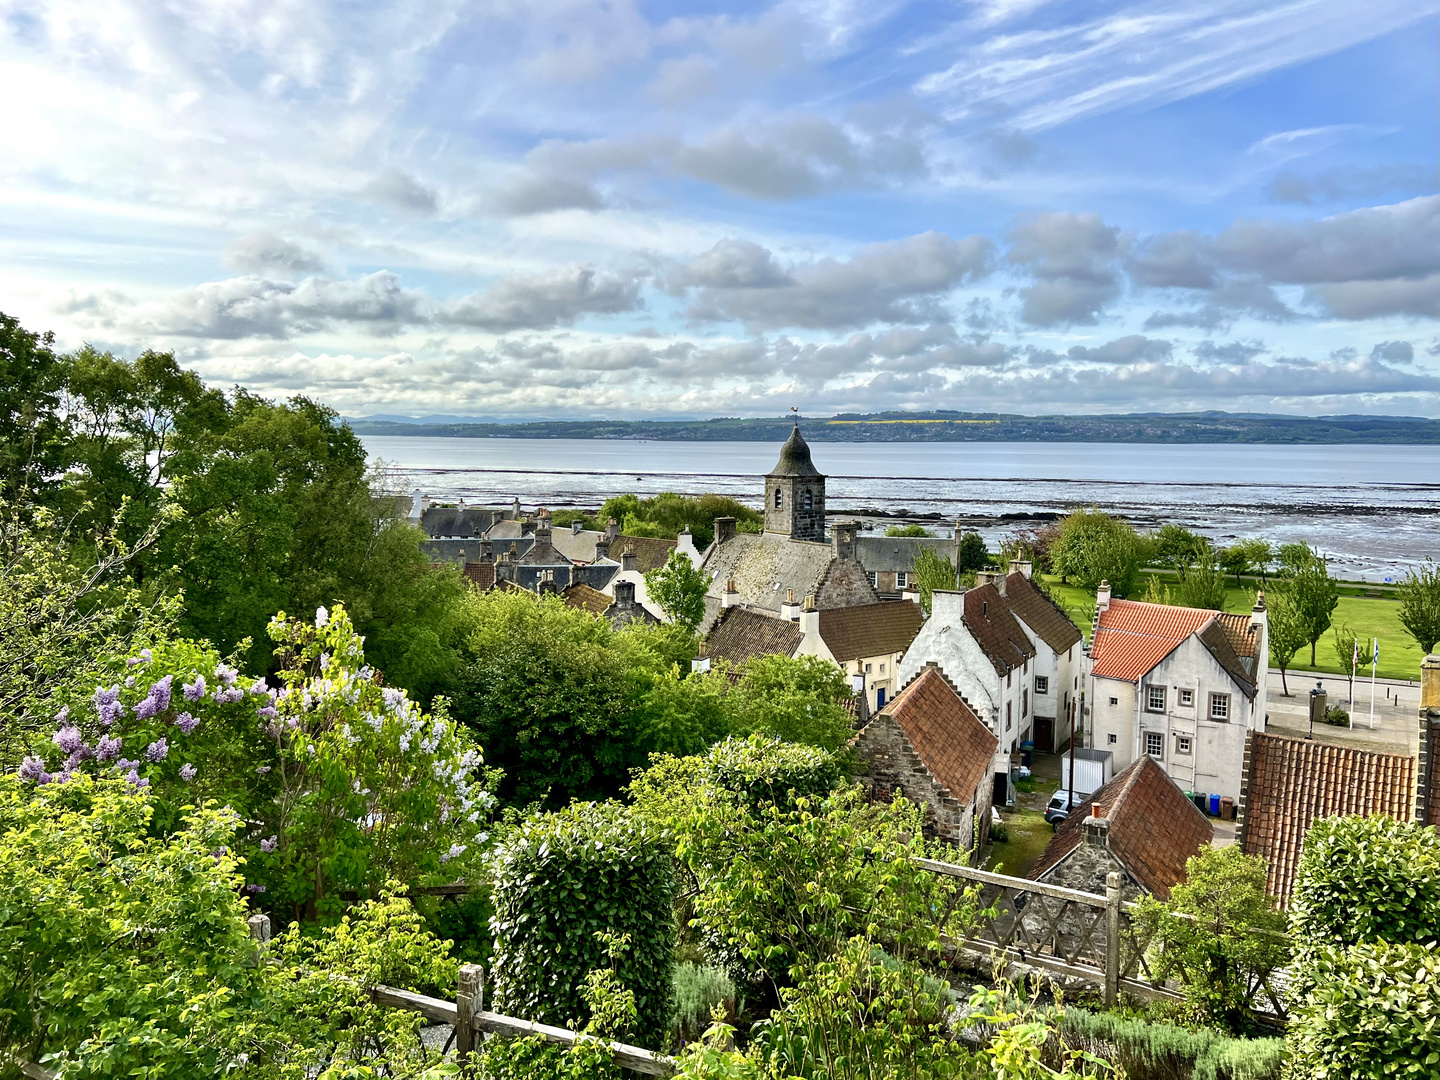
{"points": [[33, 768], [136, 779], [107, 749], [254, 888], [268, 846], [269, 712], [129, 680], [186, 723], [145, 655], [261, 770], [456, 850], [225, 675], [259, 687], [125, 763], [194, 691], [133, 661], [187, 772], [63, 716], [145, 708], [68, 739], [73, 761], [157, 751], [229, 695]]}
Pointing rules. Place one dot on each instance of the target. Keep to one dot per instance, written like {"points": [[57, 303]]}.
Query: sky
{"points": [[570, 209]]}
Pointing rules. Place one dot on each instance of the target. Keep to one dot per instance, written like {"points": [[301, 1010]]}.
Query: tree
{"points": [[666, 514], [1307, 581], [1202, 578], [1420, 605], [33, 431], [933, 571], [973, 554], [1286, 629], [679, 588], [1245, 556], [1220, 933], [1173, 545], [908, 530], [1093, 547], [797, 698]]}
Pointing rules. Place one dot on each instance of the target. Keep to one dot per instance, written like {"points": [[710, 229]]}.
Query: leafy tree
{"points": [[933, 571], [908, 530], [1306, 580], [1246, 556], [33, 431], [1420, 605], [1202, 579], [1173, 545], [798, 699], [679, 588], [666, 514], [1220, 933], [1034, 544], [1346, 649], [973, 554], [1093, 547], [1285, 628]]}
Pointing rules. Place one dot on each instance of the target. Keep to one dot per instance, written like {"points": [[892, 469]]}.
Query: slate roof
{"points": [[955, 746], [586, 599], [987, 617], [891, 553], [763, 567], [742, 633], [452, 521], [870, 629], [1217, 640], [1291, 782], [1154, 828], [651, 552], [1040, 614], [795, 458], [1131, 637], [543, 553], [510, 530], [480, 574]]}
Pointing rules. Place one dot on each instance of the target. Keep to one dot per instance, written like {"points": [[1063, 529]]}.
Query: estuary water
{"points": [[1374, 510]]}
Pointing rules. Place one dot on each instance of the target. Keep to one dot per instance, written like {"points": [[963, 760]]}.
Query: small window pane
{"points": [[1220, 707], [1155, 701], [1155, 744]]}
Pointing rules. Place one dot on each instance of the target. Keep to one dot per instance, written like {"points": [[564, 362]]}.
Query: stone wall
{"points": [[792, 518], [891, 762], [846, 584]]}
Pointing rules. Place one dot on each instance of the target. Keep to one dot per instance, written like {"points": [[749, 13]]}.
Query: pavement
{"points": [[1396, 706]]}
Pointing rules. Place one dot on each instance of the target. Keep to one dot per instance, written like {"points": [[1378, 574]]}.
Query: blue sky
{"points": [[570, 209]]}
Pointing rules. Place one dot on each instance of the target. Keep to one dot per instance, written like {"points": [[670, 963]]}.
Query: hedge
{"points": [[763, 769], [561, 880]]}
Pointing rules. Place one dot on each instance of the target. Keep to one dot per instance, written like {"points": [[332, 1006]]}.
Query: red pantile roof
{"points": [[1131, 637], [480, 574], [1291, 782], [1154, 828], [955, 746]]}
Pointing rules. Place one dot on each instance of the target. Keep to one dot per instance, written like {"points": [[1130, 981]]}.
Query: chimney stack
{"points": [[612, 530], [575, 527], [1097, 829], [842, 539], [1430, 688], [731, 596], [790, 610], [724, 529], [1102, 598], [625, 595], [627, 562], [809, 618], [1023, 567]]}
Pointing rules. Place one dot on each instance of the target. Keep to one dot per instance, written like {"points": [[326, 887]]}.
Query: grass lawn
{"points": [[1029, 833], [1368, 616]]}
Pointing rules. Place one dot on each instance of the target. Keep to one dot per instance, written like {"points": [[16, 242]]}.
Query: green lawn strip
{"points": [[1028, 835], [1369, 617]]}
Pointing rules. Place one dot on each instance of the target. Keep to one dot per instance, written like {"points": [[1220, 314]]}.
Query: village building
{"points": [[889, 561], [865, 641], [621, 609], [928, 745], [1140, 823], [1182, 686], [1014, 656], [1290, 783], [790, 558]]}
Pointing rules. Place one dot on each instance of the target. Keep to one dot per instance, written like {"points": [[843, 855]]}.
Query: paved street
{"points": [[1396, 704]]}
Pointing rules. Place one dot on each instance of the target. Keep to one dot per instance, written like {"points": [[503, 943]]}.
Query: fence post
{"points": [[1112, 938], [469, 995], [260, 934]]}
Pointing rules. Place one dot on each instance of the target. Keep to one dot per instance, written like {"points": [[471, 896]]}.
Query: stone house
{"points": [[930, 746], [1289, 783], [1183, 686], [1140, 824], [890, 560], [622, 609]]}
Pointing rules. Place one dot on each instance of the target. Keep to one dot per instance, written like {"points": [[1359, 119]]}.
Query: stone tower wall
{"points": [[792, 518]]}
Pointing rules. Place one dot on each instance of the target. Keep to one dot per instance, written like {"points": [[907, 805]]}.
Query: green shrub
{"points": [[698, 989], [1156, 1051], [762, 770], [1000, 834], [1337, 717], [1373, 1010], [560, 880]]}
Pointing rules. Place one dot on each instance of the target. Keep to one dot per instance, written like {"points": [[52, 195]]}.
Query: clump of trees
{"points": [[1092, 547], [664, 515], [1420, 605]]}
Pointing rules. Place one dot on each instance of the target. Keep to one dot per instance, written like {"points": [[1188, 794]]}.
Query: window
{"points": [[902, 579], [1042, 684], [1155, 744], [874, 578], [1007, 716], [1114, 701], [1111, 739], [1182, 744], [809, 499], [1220, 708], [1187, 698], [1008, 676], [867, 669], [1155, 698], [779, 499], [1024, 703], [882, 669]]}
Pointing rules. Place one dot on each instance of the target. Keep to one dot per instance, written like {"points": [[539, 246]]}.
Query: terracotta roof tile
{"points": [[480, 574], [1131, 636], [742, 633], [1291, 782], [585, 598], [955, 746], [1154, 828], [1239, 630], [999, 636], [870, 629], [1040, 614], [1215, 638]]}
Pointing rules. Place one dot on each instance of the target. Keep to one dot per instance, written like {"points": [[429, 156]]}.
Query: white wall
{"points": [[642, 595]]}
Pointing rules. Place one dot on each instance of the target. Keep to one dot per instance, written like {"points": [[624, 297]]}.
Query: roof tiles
{"points": [[1040, 614], [1000, 637], [854, 633], [955, 746], [742, 633], [1131, 636]]}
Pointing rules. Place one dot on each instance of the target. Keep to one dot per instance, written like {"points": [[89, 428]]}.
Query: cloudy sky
{"points": [[565, 208]]}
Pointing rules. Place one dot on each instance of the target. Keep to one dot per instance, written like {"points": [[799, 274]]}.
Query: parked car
{"points": [[1061, 805]]}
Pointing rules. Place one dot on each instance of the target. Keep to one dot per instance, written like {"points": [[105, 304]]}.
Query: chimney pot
{"points": [[1102, 597]]}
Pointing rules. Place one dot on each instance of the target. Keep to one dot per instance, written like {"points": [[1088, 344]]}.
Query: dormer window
{"points": [[779, 498]]}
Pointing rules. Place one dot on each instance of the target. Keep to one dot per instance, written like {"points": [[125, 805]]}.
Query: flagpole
{"points": [[1374, 663]]}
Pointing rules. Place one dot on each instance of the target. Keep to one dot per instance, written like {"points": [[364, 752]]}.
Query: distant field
{"points": [[1369, 617]]}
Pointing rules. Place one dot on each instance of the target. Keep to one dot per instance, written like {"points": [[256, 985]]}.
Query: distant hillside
{"points": [[941, 426]]}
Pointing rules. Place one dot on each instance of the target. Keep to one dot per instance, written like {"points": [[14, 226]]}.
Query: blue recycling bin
{"points": [[1214, 805]]}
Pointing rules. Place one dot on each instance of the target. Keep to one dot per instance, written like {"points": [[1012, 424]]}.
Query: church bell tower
{"points": [[795, 493]]}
